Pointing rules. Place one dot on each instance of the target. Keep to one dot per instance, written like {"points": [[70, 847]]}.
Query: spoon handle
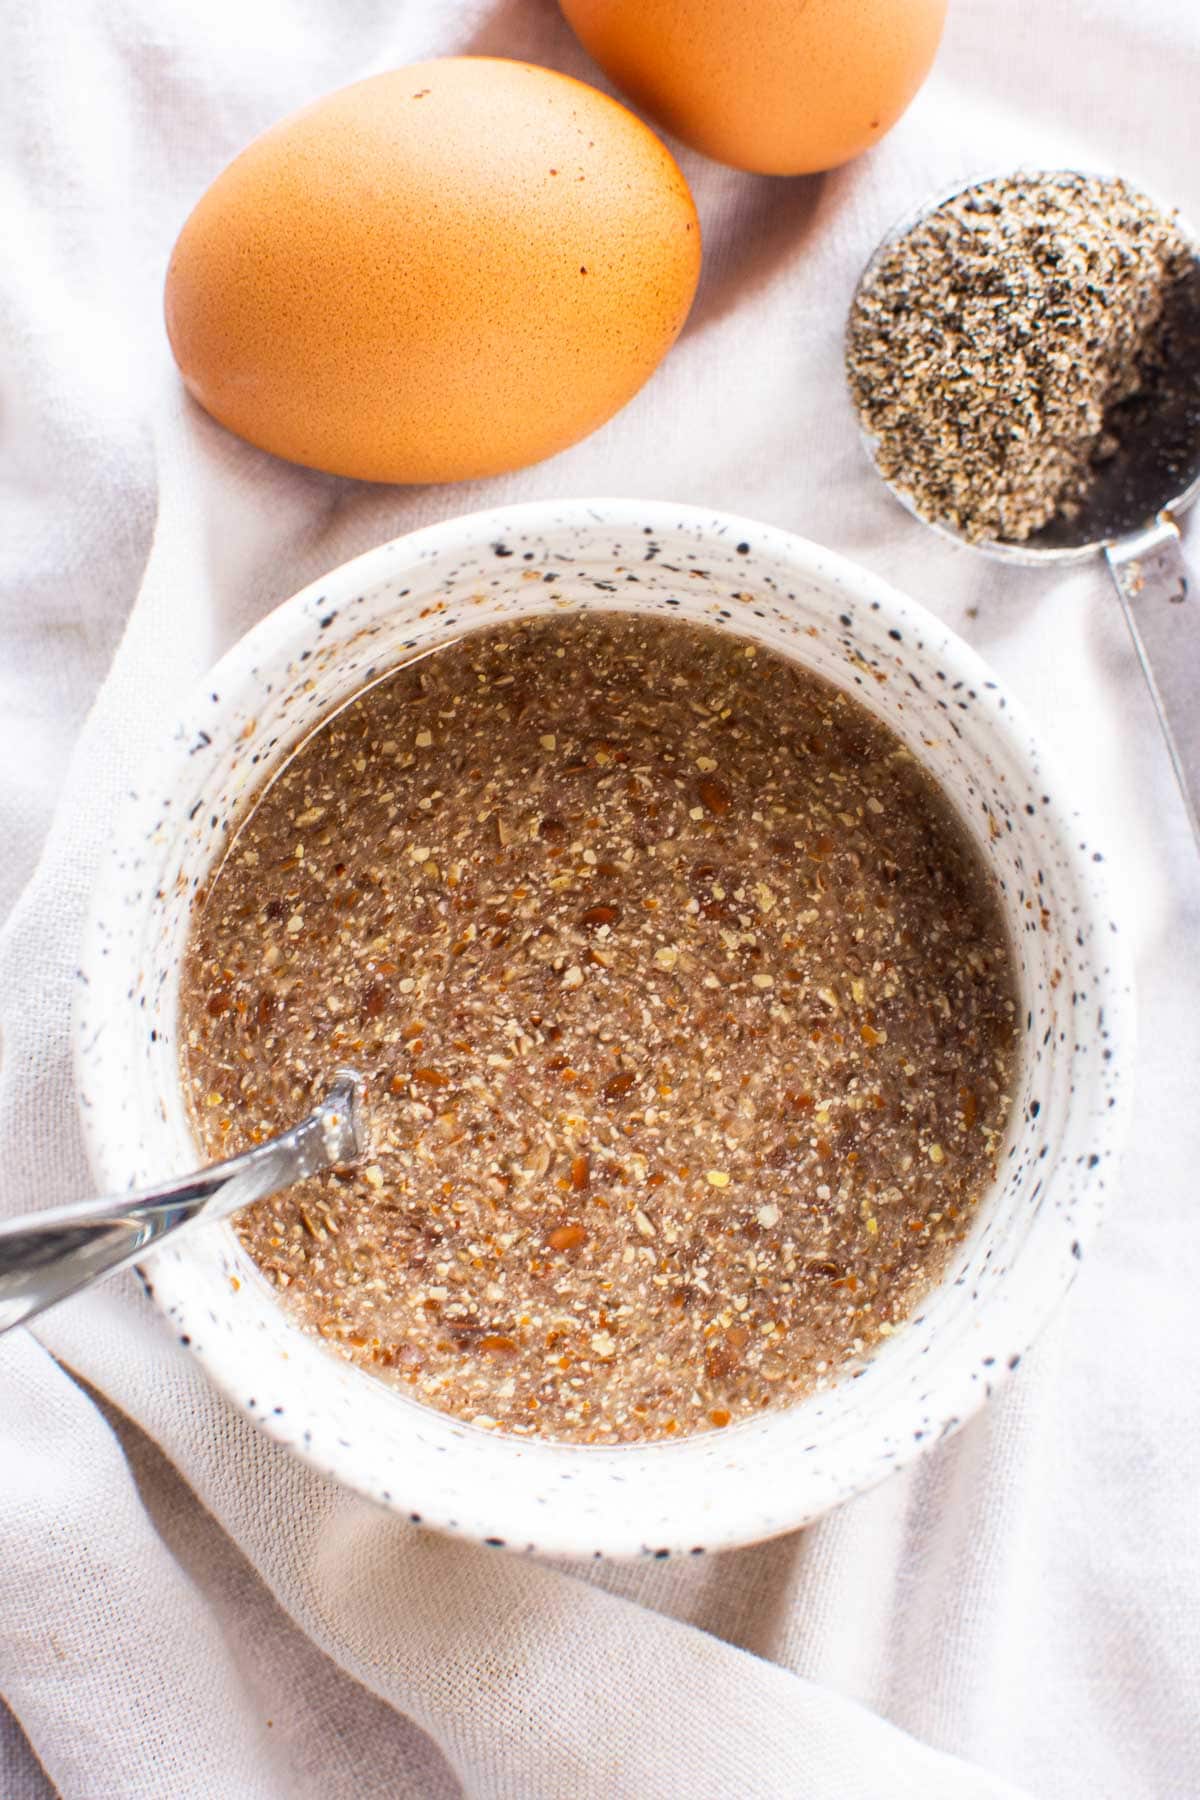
{"points": [[1162, 609], [46, 1256]]}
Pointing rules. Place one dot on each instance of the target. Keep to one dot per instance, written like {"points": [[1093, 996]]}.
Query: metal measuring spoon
{"points": [[1129, 515], [48, 1255]]}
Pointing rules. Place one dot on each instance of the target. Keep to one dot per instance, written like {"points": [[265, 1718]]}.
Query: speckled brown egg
{"points": [[443, 272], [784, 87]]}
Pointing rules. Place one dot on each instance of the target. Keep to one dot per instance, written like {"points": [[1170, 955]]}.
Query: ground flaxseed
{"points": [[991, 348], [685, 1006]]}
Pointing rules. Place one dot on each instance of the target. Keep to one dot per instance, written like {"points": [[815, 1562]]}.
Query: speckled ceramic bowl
{"points": [[768, 1474]]}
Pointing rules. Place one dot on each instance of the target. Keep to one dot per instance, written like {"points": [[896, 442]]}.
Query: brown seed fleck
{"points": [[724, 1353], [714, 796], [567, 1237]]}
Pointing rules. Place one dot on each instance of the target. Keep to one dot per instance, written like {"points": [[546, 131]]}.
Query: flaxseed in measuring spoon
{"points": [[1024, 355]]}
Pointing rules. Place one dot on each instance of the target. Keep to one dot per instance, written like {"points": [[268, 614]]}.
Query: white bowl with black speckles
{"points": [[777, 1471]]}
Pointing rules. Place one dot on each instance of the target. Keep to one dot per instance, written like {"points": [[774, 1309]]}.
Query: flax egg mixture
{"points": [[685, 1007]]}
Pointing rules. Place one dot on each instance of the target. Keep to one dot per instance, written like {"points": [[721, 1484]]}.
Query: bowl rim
{"points": [[1027, 1309]]}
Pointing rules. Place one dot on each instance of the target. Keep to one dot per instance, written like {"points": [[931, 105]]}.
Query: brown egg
{"points": [[783, 87], [442, 272]]}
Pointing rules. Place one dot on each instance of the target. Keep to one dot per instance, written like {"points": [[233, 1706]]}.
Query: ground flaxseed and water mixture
{"points": [[686, 1009]]}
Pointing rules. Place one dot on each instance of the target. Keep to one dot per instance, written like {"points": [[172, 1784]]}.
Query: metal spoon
{"points": [[1130, 516], [46, 1256]]}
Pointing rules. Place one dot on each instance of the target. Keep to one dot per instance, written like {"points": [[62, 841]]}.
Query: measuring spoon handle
{"points": [[1162, 609]]}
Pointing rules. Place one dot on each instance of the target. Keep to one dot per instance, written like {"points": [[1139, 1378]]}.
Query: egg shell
{"points": [[443, 272], [782, 87]]}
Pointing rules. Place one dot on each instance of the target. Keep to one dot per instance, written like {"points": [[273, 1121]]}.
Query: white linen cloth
{"points": [[186, 1612]]}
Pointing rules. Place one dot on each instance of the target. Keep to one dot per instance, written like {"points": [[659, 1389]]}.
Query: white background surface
{"points": [[184, 1610]]}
